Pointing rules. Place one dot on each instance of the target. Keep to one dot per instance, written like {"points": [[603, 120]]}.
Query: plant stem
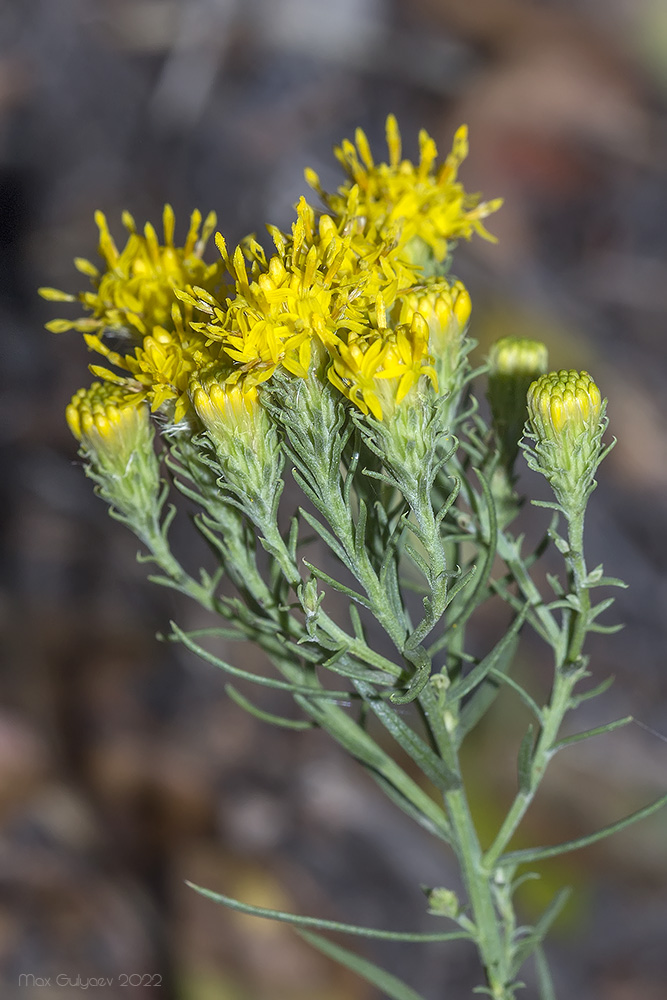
{"points": [[567, 674]]}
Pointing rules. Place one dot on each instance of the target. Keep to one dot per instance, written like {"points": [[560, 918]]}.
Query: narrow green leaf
{"points": [[360, 532], [468, 683], [259, 713], [406, 806], [419, 561], [539, 932], [486, 567], [326, 536], [521, 691], [598, 731], [391, 987], [246, 675], [353, 738], [532, 854], [486, 693], [430, 764], [599, 689], [444, 510], [606, 629], [544, 981], [337, 585], [357, 625], [281, 916]]}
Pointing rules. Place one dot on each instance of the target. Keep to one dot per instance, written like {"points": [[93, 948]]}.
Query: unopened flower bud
{"points": [[116, 437], [241, 432], [514, 363], [443, 903], [227, 410], [566, 415], [446, 309]]}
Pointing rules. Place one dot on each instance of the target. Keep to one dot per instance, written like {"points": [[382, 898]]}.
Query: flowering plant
{"points": [[344, 353]]}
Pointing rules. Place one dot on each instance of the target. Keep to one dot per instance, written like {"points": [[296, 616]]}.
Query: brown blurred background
{"points": [[123, 767]]}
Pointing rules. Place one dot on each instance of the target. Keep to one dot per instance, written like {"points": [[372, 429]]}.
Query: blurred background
{"points": [[124, 769]]}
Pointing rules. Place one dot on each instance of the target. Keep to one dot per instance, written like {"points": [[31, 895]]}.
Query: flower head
{"points": [[378, 372], [423, 206], [135, 290], [243, 437], [514, 363], [445, 306], [319, 280], [566, 418], [135, 301], [564, 405], [227, 409], [116, 437], [103, 420]]}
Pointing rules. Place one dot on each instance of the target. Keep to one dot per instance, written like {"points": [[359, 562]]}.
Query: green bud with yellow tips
{"points": [[116, 438], [566, 421], [242, 434]]}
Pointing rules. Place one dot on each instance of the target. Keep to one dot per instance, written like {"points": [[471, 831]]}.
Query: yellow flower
{"points": [[160, 368], [135, 291], [378, 372], [419, 205], [318, 281], [135, 300]]}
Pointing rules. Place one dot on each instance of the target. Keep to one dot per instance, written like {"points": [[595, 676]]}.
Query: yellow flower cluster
{"points": [[411, 203], [134, 301], [343, 292]]}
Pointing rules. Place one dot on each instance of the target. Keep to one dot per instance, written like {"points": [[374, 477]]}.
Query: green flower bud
{"points": [[228, 411], [446, 308], [443, 903], [242, 434], [514, 363], [116, 437], [566, 417]]}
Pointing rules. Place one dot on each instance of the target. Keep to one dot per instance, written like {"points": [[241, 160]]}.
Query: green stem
{"points": [[494, 947], [152, 535], [567, 675]]}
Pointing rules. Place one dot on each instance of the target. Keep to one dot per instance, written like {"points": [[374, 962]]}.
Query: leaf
{"points": [[391, 987], [530, 855], [538, 933], [327, 537], [340, 587], [520, 691], [430, 764], [544, 980], [274, 720], [487, 691], [593, 693], [598, 731], [464, 686], [281, 916], [246, 675]]}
